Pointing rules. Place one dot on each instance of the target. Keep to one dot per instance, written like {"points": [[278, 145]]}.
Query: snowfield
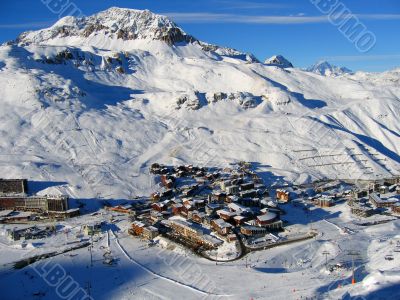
{"points": [[88, 108]]}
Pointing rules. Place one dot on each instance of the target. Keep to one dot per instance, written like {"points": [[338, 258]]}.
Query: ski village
{"points": [[222, 215], [139, 161]]}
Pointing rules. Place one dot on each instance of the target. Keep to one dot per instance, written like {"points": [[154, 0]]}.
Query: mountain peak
{"points": [[279, 61], [324, 68], [115, 22]]}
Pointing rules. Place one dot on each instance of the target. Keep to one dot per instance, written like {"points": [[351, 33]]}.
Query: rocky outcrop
{"points": [[278, 61], [244, 99], [190, 101]]}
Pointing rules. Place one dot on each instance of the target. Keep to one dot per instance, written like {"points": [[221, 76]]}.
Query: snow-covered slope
{"points": [[90, 108], [326, 69]]}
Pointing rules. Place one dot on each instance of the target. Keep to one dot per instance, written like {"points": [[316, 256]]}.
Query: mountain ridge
{"points": [[96, 111], [324, 68]]}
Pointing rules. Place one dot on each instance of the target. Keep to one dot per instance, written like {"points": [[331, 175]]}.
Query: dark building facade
{"points": [[35, 203], [13, 186]]}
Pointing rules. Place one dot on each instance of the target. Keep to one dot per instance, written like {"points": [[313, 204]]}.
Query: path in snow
{"points": [[161, 276]]}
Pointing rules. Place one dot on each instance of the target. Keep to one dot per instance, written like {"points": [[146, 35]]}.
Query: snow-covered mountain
{"points": [[279, 61], [116, 23], [114, 28], [324, 68], [90, 103]]}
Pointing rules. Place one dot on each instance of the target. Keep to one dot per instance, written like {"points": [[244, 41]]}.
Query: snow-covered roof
{"points": [[237, 207], [267, 217], [222, 224], [226, 212]]}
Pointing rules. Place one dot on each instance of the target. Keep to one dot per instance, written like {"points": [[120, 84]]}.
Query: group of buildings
{"points": [[382, 194], [14, 197], [205, 206]]}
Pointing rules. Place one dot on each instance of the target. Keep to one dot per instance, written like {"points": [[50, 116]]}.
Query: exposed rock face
{"points": [[223, 51], [173, 36], [215, 97], [189, 101], [244, 99], [279, 61]]}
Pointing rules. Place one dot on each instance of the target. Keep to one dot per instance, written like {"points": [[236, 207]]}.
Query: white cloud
{"points": [[26, 25], [262, 19], [232, 18]]}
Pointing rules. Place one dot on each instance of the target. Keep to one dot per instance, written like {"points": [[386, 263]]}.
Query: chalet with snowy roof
{"points": [[267, 218], [220, 226], [240, 220], [238, 209], [137, 228], [226, 214], [177, 208], [189, 190], [198, 217], [212, 208], [249, 230]]}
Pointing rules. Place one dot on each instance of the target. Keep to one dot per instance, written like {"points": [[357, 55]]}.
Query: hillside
{"points": [[91, 103]]}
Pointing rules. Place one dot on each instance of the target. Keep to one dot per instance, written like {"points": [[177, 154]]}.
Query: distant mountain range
{"points": [[326, 69]]}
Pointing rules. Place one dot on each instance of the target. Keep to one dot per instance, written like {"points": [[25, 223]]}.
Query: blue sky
{"points": [[293, 28]]}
